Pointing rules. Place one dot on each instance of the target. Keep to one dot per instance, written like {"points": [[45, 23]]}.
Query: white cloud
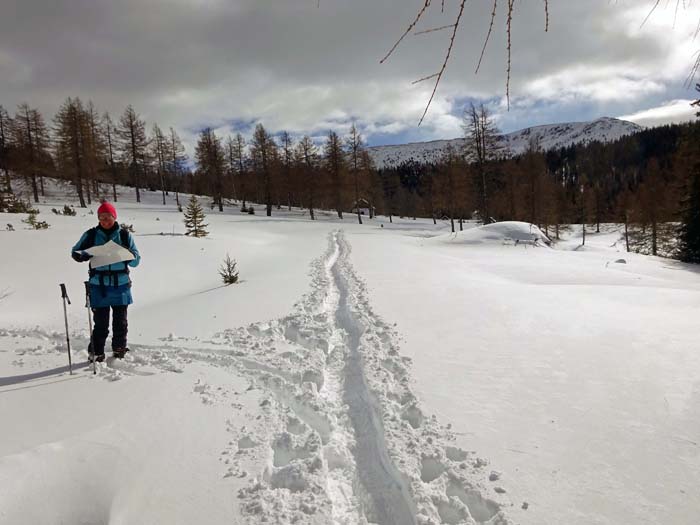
{"points": [[298, 67], [673, 111]]}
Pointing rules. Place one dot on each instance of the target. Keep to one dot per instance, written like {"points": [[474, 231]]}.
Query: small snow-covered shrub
{"points": [[34, 223], [9, 203], [228, 271], [67, 210]]}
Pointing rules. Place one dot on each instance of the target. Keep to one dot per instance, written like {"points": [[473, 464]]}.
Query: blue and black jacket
{"points": [[109, 285]]}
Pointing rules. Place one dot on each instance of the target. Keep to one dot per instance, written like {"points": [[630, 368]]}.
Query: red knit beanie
{"points": [[106, 207]]}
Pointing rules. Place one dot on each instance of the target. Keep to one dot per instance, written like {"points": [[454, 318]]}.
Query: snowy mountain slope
{"points": [[548, 137]]}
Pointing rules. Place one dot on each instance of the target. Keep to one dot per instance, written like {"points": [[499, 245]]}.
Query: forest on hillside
{"points": [[648, 181]]}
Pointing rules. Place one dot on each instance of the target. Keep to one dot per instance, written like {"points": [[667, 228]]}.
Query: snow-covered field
{"points": [[357, 374]]}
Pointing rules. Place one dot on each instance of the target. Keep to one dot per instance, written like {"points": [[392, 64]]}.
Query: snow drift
{"points": [[507, 232]]}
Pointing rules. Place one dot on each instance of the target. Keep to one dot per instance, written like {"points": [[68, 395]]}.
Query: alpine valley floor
{"points": [[388, 373]]}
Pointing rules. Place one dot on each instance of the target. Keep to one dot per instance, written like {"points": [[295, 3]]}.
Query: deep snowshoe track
{"points": [[341, 433]]}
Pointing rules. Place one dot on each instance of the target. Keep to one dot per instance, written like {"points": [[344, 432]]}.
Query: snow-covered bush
{"points": [[228, 271], [34, 223], [9, 203], [67, 210]]}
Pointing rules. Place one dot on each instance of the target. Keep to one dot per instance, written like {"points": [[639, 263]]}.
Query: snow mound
{"points": [[507, 232]]}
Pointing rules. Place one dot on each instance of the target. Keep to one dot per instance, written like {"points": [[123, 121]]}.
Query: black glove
{"points": [[81, 256]]}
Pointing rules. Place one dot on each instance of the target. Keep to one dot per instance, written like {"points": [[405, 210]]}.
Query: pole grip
{"points": [[64, 293], [87, 294]]}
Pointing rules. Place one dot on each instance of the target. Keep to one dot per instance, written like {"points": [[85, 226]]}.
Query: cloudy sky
{"points": [[307, 66]]}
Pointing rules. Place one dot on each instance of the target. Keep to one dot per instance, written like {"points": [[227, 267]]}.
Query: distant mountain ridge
{"points": [[549, 136]]}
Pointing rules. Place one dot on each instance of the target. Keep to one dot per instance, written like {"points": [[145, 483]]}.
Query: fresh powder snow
{"points": [[389, 373]]}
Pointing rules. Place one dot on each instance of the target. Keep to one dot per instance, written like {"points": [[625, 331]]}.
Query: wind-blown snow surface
{"points": [[357, 374], [546, 137]]}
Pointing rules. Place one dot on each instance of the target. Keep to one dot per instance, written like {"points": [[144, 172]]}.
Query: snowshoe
{"points": [[99, 358], [119, 353]]}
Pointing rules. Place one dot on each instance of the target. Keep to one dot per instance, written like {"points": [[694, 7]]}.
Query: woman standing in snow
{"points": [[110, 285]]}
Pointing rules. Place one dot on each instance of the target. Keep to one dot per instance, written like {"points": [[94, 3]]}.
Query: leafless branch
{"points": [[488, 35], [656, 4], [447, 58], [693, 71], [433, 30], [420, 14], [508, 26], [425, 78]]}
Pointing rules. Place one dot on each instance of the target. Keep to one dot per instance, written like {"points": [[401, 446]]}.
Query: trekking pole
{"points": [[89, 309], [64, 296]]}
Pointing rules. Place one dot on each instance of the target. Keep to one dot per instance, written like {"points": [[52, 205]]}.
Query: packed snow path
{"points": [[388, 495], [334, 433], [347, 441]]}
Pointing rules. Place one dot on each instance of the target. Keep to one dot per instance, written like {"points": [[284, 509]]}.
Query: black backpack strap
{"points": [[124, 237], [89, 241]]}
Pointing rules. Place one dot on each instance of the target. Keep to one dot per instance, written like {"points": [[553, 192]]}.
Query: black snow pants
{"points": [[101, 329]]}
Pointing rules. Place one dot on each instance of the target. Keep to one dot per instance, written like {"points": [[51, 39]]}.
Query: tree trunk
{"points": [[311, 205], [162, 185], [89, 194]]}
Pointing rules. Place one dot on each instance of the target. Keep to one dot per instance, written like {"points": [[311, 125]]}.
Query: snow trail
{"points": [[349, 443], [338, 436], [390, 501]]}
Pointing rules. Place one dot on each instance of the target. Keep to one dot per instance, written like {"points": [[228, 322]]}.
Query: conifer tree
{"points": [[231, 165], [263, 153], [5, 127], [31, 140], [237, 160], [449, 186], [355, 148], [653, 198], [159, 154], [176, 162], [108, 129], [228, 271], [335, 164], [366, 167], [194, 219], [70, 143], [481, 148], [689, 229], [131, 134], [307, 159], [95, 148], [210, 159], [689, 232], [286, 147]]}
